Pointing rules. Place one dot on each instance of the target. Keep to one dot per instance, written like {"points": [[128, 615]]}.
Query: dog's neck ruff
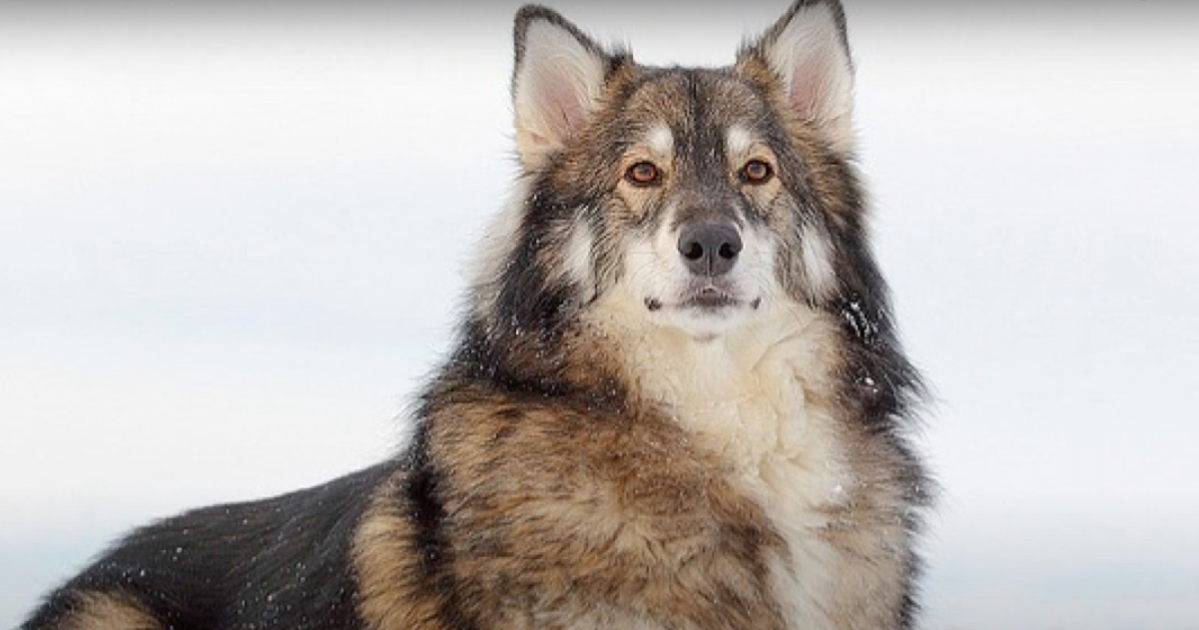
{"points": [[761, 392], [761, 396]]}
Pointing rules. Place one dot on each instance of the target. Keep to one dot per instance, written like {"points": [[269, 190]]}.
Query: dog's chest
{"points": [[765, 411]]}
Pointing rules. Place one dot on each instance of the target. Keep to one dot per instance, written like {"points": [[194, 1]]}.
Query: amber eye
{"points": [[756, 172], [643, 174]]}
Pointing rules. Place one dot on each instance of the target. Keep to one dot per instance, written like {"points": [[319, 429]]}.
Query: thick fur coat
{"points": [[676, 400]]}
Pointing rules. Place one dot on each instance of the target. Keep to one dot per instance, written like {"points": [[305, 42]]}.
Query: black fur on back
{"points": [[237, 567]]}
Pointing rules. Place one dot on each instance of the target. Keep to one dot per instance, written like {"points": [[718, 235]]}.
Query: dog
{"points": [[676, 399]]}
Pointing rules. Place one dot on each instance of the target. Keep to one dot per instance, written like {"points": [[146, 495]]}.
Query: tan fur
{"points": [[100, 611], [578, 509], [385, 564]]}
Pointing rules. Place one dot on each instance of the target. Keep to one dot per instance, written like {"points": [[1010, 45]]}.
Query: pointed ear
{"points": [[558, 77], [806, 54]]}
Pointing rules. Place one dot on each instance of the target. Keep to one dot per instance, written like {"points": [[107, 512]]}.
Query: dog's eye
{"points": [[643, 174], [756, 172]]}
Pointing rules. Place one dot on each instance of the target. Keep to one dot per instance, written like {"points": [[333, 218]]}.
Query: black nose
{"points": [[709, 248]]}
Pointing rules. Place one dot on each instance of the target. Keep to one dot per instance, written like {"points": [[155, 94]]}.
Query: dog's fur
{"points": [[676, 401]]}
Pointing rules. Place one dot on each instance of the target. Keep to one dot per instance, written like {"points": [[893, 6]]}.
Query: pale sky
{"points": [[231, 242]]}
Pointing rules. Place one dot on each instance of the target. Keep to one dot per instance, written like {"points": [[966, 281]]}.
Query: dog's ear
{"points": [[558, 77], [806, 54]]}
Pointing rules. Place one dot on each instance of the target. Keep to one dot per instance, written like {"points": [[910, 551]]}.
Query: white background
{"points": [[230, 243]]}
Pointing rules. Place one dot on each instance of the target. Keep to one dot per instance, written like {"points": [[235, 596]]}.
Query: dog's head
{"points": [[682, 199]]}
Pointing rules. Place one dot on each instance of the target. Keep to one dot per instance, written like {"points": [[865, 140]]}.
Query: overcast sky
{"points": [[230, 243]]}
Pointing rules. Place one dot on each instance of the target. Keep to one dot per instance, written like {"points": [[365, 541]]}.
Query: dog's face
{"points": [[692, 199], [698, 217]]}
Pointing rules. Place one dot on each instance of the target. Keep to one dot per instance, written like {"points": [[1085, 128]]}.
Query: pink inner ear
{"points": [[562, 107], [809, 87]]}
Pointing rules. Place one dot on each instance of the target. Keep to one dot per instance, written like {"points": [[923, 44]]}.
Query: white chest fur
{"points": [[760, 398]]}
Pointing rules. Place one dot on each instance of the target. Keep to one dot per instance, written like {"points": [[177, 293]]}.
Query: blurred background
{"points": [[231, 237]]}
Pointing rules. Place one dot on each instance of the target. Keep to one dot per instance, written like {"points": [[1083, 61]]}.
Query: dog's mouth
{"points": [[707, 299]]}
